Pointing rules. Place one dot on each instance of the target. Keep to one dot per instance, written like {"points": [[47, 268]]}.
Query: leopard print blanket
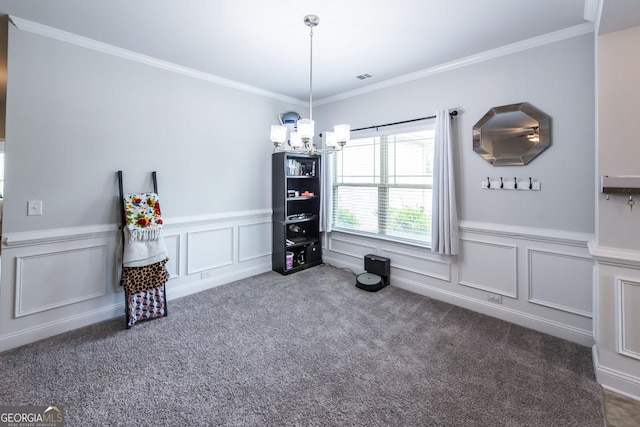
{"points": [[139, 279]]}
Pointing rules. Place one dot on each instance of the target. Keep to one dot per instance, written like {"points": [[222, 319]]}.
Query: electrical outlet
{"points": [[206, 274], [494, 298]]}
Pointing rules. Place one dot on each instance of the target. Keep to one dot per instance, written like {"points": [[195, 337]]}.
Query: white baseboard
{"points": [[45, 330], [616, 381], [216, 280], [569, 333]]}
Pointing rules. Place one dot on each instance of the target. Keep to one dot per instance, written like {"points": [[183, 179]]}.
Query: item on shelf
{"points": [[299, 216], [307, 194], [289, 264], [296, 231], [300, 168], [295, 168]]}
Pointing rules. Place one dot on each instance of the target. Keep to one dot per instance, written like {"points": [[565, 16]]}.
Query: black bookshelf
{"points": [[296, 212]]}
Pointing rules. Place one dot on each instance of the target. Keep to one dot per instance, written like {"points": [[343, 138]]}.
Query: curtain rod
{"points": [[451, 114]]}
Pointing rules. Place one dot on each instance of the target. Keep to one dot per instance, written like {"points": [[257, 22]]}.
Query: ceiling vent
{"points": [[364, 76]]}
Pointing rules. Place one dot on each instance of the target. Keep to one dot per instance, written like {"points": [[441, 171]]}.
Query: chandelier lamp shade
{"points": [[301, 139]]}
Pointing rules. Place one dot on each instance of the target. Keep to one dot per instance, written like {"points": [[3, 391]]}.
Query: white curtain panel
{"points": [[444, 220], [326, 193]]}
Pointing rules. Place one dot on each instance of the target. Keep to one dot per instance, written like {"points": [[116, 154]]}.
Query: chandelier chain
{"points": [[311, 73]]}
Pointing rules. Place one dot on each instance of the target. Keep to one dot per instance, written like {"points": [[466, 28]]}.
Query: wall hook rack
{"points": [[501, 183], [622, 185]]}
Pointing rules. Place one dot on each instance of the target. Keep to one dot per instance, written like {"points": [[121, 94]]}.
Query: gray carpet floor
{"points": [[308, 349]]}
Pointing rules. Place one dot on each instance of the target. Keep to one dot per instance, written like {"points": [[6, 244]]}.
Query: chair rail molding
{"points": [[59, 235], [568, 238], [614, 256]]}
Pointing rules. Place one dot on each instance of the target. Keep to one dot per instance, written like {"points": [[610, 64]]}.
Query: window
{"points": [[382, 185]]}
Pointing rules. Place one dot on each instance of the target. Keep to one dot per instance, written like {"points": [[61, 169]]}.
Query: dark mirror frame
{"points": [[487, 137]]}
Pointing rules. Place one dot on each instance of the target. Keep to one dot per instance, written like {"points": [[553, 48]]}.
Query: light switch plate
{"points": [[34, 207]]}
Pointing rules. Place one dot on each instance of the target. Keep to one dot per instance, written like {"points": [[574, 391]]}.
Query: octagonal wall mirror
{"points": [[512, 135]]}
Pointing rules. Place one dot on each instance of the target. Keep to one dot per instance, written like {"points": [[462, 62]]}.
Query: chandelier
{"points": [[301, 140]]}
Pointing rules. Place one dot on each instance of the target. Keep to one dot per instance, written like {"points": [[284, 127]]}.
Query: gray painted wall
{"points": [[75, 116], [619, 152], [557, 78], [531, 248], [617, 247]]}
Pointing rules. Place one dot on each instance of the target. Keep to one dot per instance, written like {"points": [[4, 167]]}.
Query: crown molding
{"points": [[591, 10], [593, 13], [67, 37], [553, 37]]}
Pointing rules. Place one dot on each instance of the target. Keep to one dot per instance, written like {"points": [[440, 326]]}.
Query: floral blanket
{"points": [[143, 215]]}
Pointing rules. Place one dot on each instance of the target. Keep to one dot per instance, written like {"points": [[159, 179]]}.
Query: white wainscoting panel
{"points": [[351, 248], [561, 281], [596, 302], [412, 262], [173, 253], [493, 259], [489, 266], [254, 241], [58, 280], [628, 317], [55, 279], [209, 249]]}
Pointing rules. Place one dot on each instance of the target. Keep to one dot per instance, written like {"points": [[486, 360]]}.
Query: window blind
{"points": [[382, 185]]}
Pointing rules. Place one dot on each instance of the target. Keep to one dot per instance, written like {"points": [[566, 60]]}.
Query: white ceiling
{"points": [[266, 45]]}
